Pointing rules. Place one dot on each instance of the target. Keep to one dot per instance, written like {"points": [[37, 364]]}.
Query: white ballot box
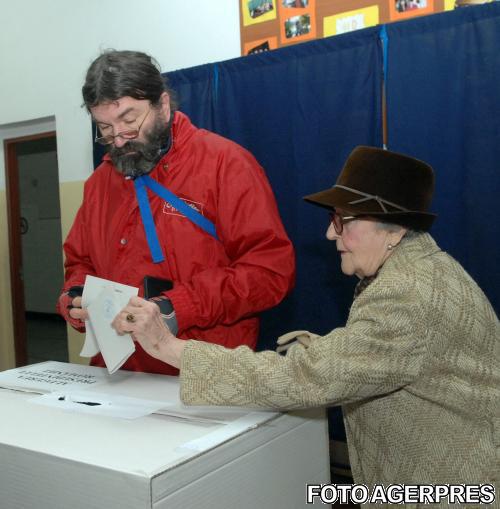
{"points": [[66, 446]]}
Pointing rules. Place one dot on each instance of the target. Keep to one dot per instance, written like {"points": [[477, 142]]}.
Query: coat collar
{"points": [[412, 247]]}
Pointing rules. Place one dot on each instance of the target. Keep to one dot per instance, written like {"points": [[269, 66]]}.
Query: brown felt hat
{"points": [[391, 187]]}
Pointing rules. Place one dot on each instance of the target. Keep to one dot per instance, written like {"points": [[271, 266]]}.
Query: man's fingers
{"points": [[78, 313]]}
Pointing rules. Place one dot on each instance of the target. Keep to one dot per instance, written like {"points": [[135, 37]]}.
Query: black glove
{"points": [[75, 291]]}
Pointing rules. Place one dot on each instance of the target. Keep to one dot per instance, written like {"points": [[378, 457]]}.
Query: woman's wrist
{"points": [[171, 349]]}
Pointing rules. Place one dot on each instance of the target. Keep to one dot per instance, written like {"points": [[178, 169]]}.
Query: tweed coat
{"points": [[416, 369]]}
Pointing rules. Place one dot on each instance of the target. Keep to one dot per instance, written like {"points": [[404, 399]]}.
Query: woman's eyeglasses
{"points": [[129, 134], [339, 221]]}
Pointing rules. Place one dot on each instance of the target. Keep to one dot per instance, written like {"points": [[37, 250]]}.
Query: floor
{"points": [[46, 338]]}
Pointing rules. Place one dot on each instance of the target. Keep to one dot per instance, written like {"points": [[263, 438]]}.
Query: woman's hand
{"points": [[143, 320]]}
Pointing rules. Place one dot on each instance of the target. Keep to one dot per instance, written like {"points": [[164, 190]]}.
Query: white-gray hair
{"points": [[389, 227]]}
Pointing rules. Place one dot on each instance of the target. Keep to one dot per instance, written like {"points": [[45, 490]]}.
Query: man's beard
{"points": [[137, 158]]}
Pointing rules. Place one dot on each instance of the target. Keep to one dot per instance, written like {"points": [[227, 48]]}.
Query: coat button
{"points": [[123, 242]]}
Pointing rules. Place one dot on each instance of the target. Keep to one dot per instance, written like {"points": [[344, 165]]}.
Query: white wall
{"points": [[46, 47]]}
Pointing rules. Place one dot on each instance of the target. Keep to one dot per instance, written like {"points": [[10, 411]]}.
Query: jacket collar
{"points": [[413, 247]]}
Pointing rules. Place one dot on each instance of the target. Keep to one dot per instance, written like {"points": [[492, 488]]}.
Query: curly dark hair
{"points": [[116, 74]]}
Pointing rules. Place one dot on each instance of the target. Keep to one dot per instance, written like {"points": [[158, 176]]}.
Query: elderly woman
{"points": [[416, 367]]}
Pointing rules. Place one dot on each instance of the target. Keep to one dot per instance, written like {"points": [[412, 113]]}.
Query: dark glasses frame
{"points": [[129, 134], [338, 220]]}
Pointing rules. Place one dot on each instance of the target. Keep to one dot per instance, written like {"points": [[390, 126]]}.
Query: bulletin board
{"points": [[270, 24]]}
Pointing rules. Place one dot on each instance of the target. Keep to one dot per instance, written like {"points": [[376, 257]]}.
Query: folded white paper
{"points": [[115, 349], [103, 300]]}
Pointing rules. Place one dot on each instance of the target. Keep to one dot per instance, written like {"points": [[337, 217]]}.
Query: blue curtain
{"points": [[194, 89], [443, 107], [300, 111]]}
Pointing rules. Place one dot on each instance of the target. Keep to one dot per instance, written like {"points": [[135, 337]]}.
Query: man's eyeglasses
{"points": [[129, 134], [339, 221]]}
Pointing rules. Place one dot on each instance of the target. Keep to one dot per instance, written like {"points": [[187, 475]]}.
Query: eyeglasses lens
{"points": [[127, 135], [336, 220]]}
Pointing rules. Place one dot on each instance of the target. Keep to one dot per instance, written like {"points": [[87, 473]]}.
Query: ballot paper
{"points": [[115, 349], [103, 299], [110, 405]]}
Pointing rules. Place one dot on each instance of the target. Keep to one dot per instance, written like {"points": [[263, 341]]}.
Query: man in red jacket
{"points": [[175, 202]]}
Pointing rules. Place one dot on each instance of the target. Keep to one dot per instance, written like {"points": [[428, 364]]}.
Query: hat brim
{"points": [[335, 198]]}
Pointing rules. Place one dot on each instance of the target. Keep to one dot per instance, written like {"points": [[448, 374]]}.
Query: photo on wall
{"points": [[258, 11], [297, 20], [408, 5], [402, 9], [295, 4], [297, 26], [257, 8]]}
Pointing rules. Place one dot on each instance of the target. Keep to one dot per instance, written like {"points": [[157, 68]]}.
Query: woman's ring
{"points": [[130, 318]]}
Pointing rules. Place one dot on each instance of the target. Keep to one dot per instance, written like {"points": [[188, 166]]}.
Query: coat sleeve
{"points": [[261, 268], [77, 262], [381, 349]]}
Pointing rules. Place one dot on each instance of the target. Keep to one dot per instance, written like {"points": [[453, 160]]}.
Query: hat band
{"points": [[367, 197]]}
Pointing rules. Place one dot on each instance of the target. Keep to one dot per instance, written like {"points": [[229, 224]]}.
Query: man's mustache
{"points": [[130, 148]]}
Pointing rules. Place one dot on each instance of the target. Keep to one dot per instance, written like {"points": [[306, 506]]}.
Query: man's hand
{"points": [[70, 306], [76, 311]]}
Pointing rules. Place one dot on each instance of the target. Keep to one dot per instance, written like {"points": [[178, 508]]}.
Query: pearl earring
{"points": [[389, 247]]}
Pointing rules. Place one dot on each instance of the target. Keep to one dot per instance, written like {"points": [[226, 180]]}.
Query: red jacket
{"points": [[219, 285]]}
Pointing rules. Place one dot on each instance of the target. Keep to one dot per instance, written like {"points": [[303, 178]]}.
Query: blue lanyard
{"points": [[143, 182]]}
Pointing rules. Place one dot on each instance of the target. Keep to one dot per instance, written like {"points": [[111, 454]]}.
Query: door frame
{"points": [[15, 242]]}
